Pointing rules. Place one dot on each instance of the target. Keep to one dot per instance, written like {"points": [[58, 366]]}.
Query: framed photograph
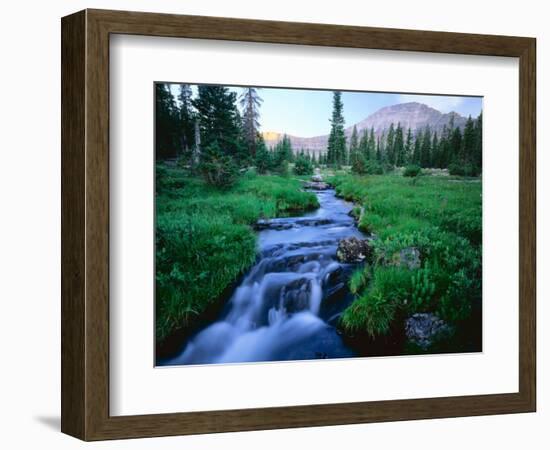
{"points": [[272, 225]]}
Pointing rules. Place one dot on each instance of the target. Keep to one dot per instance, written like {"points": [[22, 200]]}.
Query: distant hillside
{"points": [[414, 115]]}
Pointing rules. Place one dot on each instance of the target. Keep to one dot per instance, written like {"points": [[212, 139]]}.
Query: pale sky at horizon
{"points": [[306, 113]]}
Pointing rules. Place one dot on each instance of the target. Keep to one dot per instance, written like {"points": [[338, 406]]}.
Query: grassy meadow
{"points": [[441, 218]]}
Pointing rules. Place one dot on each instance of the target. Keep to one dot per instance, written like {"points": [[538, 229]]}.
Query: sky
{"points": [[306, 113]]}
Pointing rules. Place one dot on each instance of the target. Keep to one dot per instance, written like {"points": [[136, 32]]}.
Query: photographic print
{"points": [[302, 224]]}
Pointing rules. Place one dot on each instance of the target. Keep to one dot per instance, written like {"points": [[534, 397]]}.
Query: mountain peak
{"points": [[271, 135], [413, 115]]}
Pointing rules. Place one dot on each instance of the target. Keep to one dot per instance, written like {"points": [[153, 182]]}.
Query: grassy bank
{"points": [[438, 216], [204, 240]]}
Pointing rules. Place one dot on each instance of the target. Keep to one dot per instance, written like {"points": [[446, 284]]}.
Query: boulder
{"points": [[316, 185], [264, 224], [295, 295], [334, 277], [424, 329], [353, 250], [317, 178]]}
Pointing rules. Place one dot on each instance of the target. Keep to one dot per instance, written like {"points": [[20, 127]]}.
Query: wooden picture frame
{"points": [[85, 224]]}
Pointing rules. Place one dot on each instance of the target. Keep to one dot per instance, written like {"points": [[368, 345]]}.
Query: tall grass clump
{"points": [[197, 256]]}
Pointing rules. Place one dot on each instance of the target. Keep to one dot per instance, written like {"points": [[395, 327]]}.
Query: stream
{"points": [[289, 302]]}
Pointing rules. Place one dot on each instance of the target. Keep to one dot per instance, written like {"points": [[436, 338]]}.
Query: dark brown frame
{"points": [[85, 224]]}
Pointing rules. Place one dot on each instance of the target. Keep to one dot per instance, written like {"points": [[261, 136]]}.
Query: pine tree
{"points": [[371, 144], [390, 154], [455, 146], [250, 103], [219, 119], [353, 146], [379, 148], [398, 147], [409, 146], [263, 156], [443, 149], [242, 153], [167, 132], [416, 151], [283, 151], [337, 139], [425, 148], [434, 157], [364, 145], [468, 142], [478, 147], [186, 119]]}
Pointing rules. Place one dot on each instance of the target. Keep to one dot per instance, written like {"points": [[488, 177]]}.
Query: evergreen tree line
{"points": [[212, 119], [209, 131], [275, 159], [453, 148]]}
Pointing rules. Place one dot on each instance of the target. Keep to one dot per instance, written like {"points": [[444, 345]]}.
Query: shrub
{"points": [[358, 165], [217, 168], [423, 289], [263, 159], [363, 166], [302, 166], [457, 169], [374, 168], [456, 304], [165, 181], [464, 170], [282, 168], [412, 171]]}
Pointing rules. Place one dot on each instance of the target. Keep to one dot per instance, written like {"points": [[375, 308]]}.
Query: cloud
{"points": [[442, 103]]}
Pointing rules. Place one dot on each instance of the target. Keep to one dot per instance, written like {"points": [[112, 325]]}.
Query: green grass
{"points": [[283, 193], [441, 217], [373, 311], [395, 203], [204, 240]]}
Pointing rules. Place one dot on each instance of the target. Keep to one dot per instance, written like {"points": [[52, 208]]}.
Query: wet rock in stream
{"points": [[296, 295], [425, 329], [353, 250], [316, 185]]}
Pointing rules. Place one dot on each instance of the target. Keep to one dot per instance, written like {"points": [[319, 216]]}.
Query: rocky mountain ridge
{"points": [[412, 115]]}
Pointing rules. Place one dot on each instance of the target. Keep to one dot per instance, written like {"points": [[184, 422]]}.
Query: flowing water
{"points": [[287, 305]]}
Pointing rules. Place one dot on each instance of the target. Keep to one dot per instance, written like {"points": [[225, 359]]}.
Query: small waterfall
{"points": [[277, 311]]}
